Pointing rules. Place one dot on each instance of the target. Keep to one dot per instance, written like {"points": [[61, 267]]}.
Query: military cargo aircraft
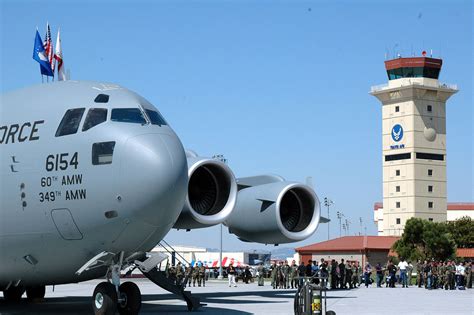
{"points": [[93, 178]]}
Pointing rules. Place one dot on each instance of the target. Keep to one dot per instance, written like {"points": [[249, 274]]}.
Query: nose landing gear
{"points": [[110, 296]]}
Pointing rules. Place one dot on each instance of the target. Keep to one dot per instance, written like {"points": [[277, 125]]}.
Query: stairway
{"points": [[159, 278]]}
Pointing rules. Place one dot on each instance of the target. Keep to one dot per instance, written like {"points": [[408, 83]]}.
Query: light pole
{"points": [[339, 216], [360, 221], [328, 202], [347, 226], [221, 274], [221, 158]]}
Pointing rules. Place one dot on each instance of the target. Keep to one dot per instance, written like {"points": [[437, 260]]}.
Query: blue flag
{"points": [[39, 54]]}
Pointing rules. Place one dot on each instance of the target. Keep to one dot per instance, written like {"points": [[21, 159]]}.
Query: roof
{"points": [[465, 252], [413, 62], [451, 206], [351, 243]]}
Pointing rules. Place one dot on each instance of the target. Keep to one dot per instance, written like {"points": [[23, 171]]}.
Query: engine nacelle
{"points": [[275, 213], [212, 193]]}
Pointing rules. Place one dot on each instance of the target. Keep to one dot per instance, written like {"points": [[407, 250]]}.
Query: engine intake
{"points": [[212, 193], [275, 213]]}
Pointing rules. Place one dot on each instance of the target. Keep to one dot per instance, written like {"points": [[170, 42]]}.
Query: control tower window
{"points": [[103, 152], [70, 122], [128, 115], [95, 116]]}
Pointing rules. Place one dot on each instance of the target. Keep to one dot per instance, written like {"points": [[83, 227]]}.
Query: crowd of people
{"points": [[336, 274]]}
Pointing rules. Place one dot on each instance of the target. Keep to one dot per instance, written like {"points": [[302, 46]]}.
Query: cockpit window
{"points": [[70, 122], [95, 116], [155, 117], [128, 115]]}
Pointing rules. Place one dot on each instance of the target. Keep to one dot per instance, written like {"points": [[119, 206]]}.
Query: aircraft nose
{"points": [[154, 178]]}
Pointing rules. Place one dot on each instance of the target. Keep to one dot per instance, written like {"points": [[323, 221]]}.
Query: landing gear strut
{"points": [[13, 294], [112, 296], [35, 294]]}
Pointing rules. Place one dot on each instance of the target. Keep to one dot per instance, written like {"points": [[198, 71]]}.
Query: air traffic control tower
{"points": [[413, 141]]}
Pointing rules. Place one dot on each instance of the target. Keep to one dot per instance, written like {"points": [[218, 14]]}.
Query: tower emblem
{"points": [[397, 133]]}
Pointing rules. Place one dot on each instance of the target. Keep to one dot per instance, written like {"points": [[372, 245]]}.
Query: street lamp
{"points": [[347, 226], [221, 158], [339, 216], [328, 202]]}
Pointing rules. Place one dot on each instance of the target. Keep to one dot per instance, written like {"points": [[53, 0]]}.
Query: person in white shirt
{"points": [[460, 272], [402, 265]]}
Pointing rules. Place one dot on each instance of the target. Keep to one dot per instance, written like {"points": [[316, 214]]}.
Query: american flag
{"points": [[48, 47]]}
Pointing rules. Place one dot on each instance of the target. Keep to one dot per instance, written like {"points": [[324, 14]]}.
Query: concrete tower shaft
{"points": [[413, 142]]}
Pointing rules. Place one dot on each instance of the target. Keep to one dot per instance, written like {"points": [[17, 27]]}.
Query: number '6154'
{"points": [[55, 162]]}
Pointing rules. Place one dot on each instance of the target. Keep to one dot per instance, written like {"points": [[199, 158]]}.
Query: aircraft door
{"points": [[64, 222]]}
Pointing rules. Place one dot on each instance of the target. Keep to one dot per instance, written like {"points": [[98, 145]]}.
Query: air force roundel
{"points": [[397, 133]]}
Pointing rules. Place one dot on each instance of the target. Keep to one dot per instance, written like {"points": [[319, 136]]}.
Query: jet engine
{"points": [[212, 193], [271, 210]]}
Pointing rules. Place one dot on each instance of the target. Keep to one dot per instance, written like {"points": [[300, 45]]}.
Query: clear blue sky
{"points": [[276, 86]]}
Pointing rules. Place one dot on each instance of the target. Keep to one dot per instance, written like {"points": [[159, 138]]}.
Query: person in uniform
{"points": [[419, 273], [280, 276], [355, 275], [441, 275], [409, 272], [323, 273], [342, 274], [293, 274], [202, 275], [260, 274], [392, 270], [179, 274], [468, 272], [435, 275], [348, 277], [450, 270], [286, 275], [195, 275], [172, 273], [188, 272], [301, 274], [274, 274], [333, 274]]}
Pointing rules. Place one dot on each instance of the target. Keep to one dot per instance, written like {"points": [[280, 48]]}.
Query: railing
{"points": [[448, 86], [377, 88], [380, 87]]}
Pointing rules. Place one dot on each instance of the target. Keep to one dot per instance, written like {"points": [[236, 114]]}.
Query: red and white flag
{"points": [[59, 59], [48, 47]]}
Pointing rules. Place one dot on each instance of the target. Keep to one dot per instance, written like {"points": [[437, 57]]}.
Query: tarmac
{"points": [[252, 299]]}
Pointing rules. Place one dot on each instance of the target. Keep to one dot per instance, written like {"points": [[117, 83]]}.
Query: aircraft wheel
{"points": [[131, 299], [13, 294], [104, 300], [35, 293]]}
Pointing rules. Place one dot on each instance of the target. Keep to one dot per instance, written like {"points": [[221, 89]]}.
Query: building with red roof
{"points": [[455, 210], [372, 249]]}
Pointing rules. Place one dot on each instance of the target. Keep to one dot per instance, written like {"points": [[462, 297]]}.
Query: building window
{"points": [[397, 189], [430, 204], [398, 220], [429, 108], [397, 109], [430, 172], [430, 188], [397, 173], [430, 219], [397, 204]]}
